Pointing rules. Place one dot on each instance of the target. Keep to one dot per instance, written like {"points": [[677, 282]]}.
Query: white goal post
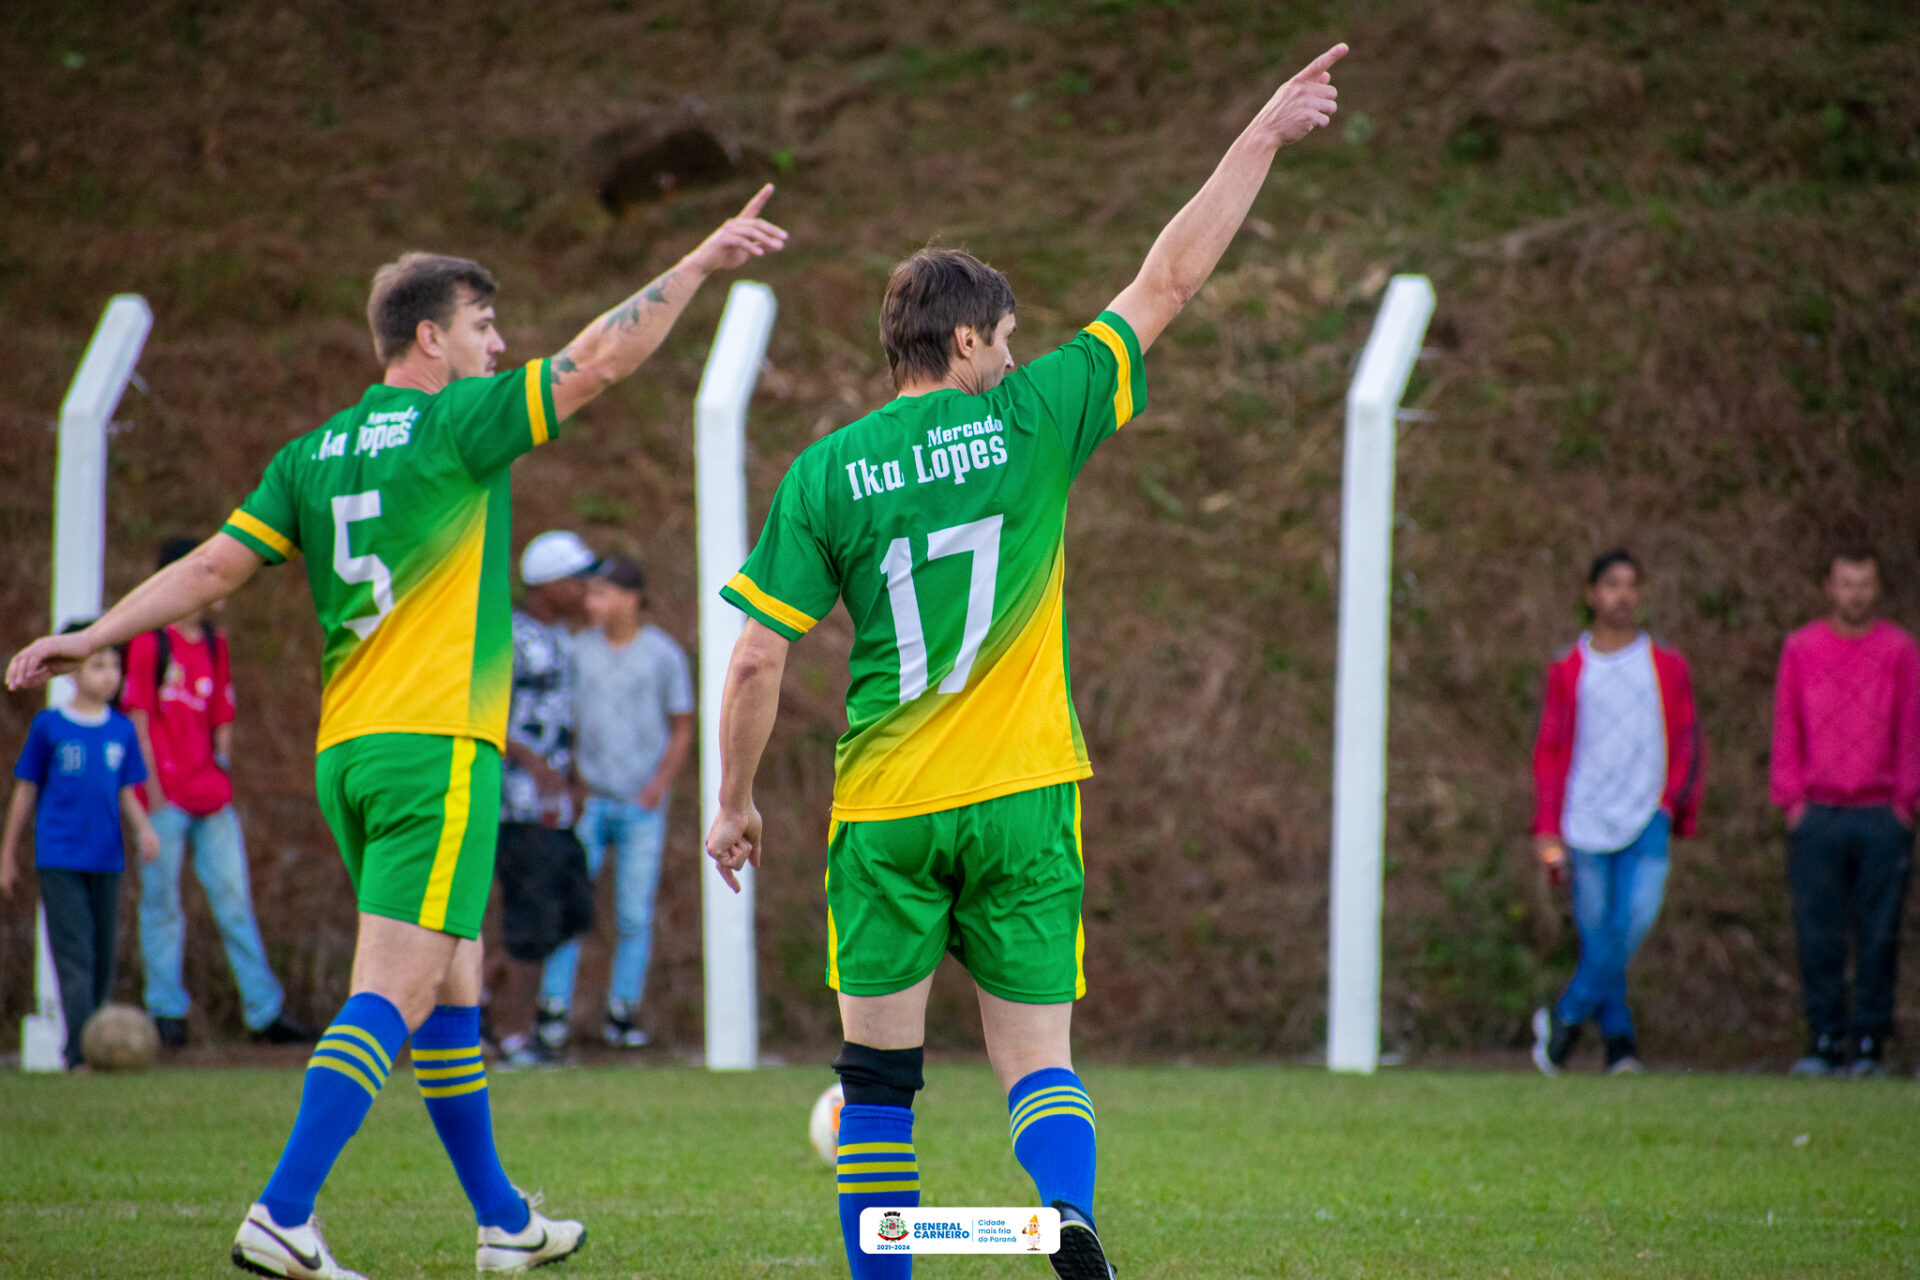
{"points": [[1360, 694], [79, 568], [720, 485]]}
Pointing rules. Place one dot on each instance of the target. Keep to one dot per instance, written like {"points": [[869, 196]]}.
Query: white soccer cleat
{"points": [[266, 1248], [544, 1240]]}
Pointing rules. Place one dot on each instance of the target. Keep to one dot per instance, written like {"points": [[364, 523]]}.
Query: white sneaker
{"points": [[542, 1241], [266, 1248]]}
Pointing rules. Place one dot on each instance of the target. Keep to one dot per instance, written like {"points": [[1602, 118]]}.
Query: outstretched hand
{"points": [[743, 236], [1304, 103], [734, 842], [46, 658]]}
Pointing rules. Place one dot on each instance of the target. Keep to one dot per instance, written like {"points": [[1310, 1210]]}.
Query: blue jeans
{"points": [[1615, 899], [220, 860], [638, 835]]}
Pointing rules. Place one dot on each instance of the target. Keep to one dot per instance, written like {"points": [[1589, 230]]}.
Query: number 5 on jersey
{"points": [[348, 509], [979, 538]]}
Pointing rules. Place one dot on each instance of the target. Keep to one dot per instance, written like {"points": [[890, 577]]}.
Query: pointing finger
{"points": [[759, 202], [1324, 63]]}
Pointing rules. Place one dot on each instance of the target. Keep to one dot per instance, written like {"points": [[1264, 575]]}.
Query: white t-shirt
{"points": [[1619, 749]]}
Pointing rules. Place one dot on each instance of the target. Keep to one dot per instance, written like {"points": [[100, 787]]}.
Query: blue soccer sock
{"points": [[1052, 1122], [453, 1083], [344, 1076], [876, 1167]]}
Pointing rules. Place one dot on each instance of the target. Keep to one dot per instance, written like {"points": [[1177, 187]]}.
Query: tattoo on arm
{"points": [[564, 364], [657, 291]]}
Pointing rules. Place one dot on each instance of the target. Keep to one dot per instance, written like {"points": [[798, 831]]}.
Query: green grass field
{"points": [[1204, 1173]]}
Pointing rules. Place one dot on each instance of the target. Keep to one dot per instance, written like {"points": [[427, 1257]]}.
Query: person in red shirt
{"points": [[179, 694], [1846, 773]]}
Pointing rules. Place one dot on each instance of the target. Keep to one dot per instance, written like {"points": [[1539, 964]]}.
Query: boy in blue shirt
{"points": [[77, 775]]}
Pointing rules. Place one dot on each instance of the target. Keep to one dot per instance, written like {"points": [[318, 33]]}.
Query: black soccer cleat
{"points": [[1080, 1256]]}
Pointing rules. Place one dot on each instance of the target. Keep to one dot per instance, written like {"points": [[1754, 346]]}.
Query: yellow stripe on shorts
{"points": [[1079, 919], [453, 834], [833, 934]]}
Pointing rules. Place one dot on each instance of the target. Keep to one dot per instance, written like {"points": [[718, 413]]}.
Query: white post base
{"points": [[43, 1043]]}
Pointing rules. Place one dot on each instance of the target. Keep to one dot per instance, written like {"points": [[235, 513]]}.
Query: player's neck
{"points": [[960, 376], [418, 372], [192, 628]]}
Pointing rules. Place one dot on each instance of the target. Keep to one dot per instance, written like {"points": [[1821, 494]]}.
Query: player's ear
{"points": [[427, 336]]}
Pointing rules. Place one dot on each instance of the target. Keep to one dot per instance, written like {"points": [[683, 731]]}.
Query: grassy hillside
{"points": [[1673, 247]]}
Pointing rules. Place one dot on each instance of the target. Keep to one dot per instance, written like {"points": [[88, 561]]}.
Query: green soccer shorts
{"points": [[996, 883], [416, 816]]}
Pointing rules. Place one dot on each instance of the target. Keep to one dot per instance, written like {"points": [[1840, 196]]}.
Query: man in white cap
{"points": [[539, 860]]}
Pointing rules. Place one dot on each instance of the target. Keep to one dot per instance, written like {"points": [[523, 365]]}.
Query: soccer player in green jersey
{"points": [[939, 521], [401, 507]]}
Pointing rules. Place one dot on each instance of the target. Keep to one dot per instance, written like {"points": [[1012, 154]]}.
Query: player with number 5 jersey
{"points": [[402, 508], [939, 520]]}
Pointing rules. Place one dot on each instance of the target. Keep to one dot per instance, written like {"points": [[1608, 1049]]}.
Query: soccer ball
{"points": [[824, 1125], [119, 1037]]}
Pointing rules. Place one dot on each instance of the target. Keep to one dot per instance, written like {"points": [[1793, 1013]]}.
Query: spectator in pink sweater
{"points": [[1846, 773]]}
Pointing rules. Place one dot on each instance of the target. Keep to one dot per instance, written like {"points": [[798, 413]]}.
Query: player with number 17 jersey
{"points": [[940, 520]]}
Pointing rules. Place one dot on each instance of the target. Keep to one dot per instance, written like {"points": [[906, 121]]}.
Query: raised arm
{"points": [[1190, 246], [747, 709], [621, 340], [212, 571]]}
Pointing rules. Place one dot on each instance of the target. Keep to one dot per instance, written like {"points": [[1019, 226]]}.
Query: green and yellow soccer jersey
{"points": [[940, 519], [401, 506]]}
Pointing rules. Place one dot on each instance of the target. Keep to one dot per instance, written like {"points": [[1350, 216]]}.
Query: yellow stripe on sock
{"points": [[365, 1037], [453, 834], [1047, 1097], [445, 1073], [874, 1188], [881, 1166], [348, 1070], [444, 1055], [335, 1044], [454, 1090], [1081, 1112], [875, 1148]]}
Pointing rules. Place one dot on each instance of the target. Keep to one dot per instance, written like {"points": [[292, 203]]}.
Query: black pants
{"points": [[83, 921], [546, 895], [1848, 871]]}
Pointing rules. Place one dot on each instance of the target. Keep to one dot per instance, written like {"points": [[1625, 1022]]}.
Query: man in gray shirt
{"points": [[633, 729]]}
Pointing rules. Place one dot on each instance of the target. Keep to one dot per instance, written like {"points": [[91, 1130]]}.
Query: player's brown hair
{"points": [[929, 296], [416, 287]]}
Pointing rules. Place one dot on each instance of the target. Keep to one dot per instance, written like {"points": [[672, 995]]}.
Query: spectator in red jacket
{"points": [[1616, 771], [179, 696], [1846, 773]]}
